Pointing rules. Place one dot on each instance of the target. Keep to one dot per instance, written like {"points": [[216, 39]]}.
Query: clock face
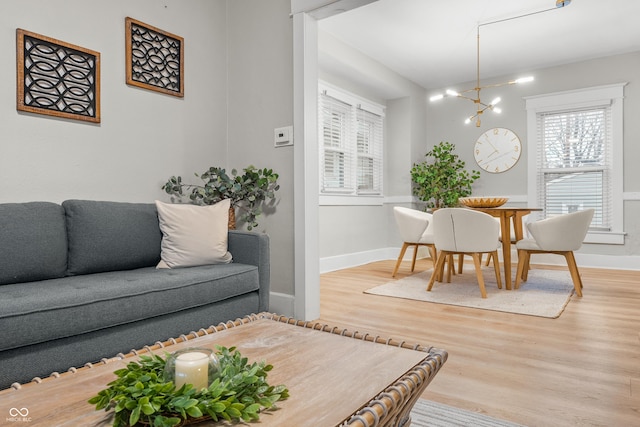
{"points": [[497, 150]]}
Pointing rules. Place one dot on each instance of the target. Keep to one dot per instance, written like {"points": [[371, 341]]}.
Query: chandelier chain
{"points": [[481, 107]]}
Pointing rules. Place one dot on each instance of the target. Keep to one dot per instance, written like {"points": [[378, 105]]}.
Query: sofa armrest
{"points": [[253, 249]]}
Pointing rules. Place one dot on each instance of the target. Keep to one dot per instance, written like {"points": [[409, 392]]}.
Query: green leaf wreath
{"points": [[140, 396]]}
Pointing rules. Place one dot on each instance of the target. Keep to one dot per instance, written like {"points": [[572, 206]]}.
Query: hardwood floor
{"points": [[581, 369]]}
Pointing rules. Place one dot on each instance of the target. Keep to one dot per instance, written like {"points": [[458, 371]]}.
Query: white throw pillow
{"points": [[193, 235]]}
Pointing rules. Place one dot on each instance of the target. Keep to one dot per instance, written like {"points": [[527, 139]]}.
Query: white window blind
{"points": [[574, 163], [351, 144], [575, 150], [336, 153], [369, 142]]}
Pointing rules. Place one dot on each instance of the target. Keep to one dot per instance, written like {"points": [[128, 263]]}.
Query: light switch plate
{"points": [[283, 136]]}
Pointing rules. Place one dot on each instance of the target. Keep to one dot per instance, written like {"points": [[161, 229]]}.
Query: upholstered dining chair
{"points": [[416, 230], [465, 232], [559, 235]]}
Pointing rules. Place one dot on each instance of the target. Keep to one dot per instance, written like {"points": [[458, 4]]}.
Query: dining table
{"points": [[507, 214]]}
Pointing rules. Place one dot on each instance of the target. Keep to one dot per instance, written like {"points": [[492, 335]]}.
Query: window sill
{"points": [[350, 200], [605, 238]]}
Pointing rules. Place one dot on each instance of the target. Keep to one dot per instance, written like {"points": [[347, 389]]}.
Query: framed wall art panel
{"points": [[154, 58], [56, 78]]}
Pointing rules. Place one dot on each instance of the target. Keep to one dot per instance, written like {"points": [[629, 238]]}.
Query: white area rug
{"points": [[544, 294], [426, 413]]}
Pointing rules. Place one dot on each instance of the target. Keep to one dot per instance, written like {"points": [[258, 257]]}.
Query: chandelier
{"points": [[481, 107]]}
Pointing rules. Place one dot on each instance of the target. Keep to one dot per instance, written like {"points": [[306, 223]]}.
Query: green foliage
{"points": [[247, 191], [140, 396], [443, 181]]}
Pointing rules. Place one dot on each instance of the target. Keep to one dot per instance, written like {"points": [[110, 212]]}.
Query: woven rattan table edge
{"points": [[391, 407]]}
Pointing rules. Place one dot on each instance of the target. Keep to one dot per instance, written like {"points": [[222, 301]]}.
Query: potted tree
{"points": [[247, 191], [442, 181]]}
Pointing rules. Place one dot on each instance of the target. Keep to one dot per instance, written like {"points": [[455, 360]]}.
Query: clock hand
{"points": [[492, 146]]}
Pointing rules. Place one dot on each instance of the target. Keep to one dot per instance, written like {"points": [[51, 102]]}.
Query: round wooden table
{"points": [[506, 213]]}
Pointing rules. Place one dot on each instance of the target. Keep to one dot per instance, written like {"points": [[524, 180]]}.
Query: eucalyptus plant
{"points": [[247, 191], [140, 395], [440, 182]]}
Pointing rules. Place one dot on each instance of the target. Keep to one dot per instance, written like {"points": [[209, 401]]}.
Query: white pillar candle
{"points": [[192, 368]]}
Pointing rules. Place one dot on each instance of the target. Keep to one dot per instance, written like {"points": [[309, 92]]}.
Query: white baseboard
{"points": [[584, 260], [615, 262], [354, 259], [283, 304]]}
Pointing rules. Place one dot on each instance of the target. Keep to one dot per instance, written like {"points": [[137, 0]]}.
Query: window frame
{"points": [[352, 195], [610, 96]]}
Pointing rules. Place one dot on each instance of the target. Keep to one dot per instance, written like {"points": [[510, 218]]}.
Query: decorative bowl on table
{"points": [[483, 202]]}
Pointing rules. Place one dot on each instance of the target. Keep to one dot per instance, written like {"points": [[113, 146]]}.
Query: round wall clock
{"points": [[497, 150]]}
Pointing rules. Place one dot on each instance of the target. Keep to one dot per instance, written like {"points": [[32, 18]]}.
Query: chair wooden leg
{"points": [[488, 259], [433, 254], [450, 267], [522, 256], [413, 261], [434, 257], [437, 270], [405, 245], [496, 267], [575, 275], [478, 265], [525, 270], [460, 263]]}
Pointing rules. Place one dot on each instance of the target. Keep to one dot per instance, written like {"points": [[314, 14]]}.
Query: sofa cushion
{"points": [[111, 236], [33, 242], [46, 310], [194, 235]]}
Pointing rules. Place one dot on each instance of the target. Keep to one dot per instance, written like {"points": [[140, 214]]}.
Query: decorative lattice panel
{"points": [[155, 58], [57, 78]]}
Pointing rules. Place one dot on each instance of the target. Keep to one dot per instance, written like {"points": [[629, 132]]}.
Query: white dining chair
{"points": [[559, 235], [465, 232], [416, 230]]}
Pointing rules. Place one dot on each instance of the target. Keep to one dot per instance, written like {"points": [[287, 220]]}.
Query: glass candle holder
{"points": [[196, 366]]}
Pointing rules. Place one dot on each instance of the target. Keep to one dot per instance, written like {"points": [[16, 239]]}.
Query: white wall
{"points": [[261, 99], [445, 118], [444, 121], [371, 229], [144, 136], [238, 88]]}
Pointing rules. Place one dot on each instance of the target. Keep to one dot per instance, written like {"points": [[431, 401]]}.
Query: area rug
{"points": [[545, 294], [426, 413]]}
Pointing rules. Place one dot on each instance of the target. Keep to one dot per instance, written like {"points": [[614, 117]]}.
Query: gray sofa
{"points": [[78, 283]]}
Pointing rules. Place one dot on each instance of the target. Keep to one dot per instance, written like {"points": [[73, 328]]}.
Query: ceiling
{"points": [[434, 42]]}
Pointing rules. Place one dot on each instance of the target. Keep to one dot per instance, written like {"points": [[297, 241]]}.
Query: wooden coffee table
{"points": [[335, 377]]}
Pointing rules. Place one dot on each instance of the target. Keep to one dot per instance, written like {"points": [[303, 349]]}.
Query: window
{"points": [[351, 144], [575, 160], [574, 165]]}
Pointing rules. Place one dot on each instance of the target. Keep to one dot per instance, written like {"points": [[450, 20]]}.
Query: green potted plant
{"points": [[442, 181], [247, 191]]}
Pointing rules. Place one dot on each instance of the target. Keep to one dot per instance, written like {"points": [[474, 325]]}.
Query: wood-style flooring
{"points": [[581, 369]]}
